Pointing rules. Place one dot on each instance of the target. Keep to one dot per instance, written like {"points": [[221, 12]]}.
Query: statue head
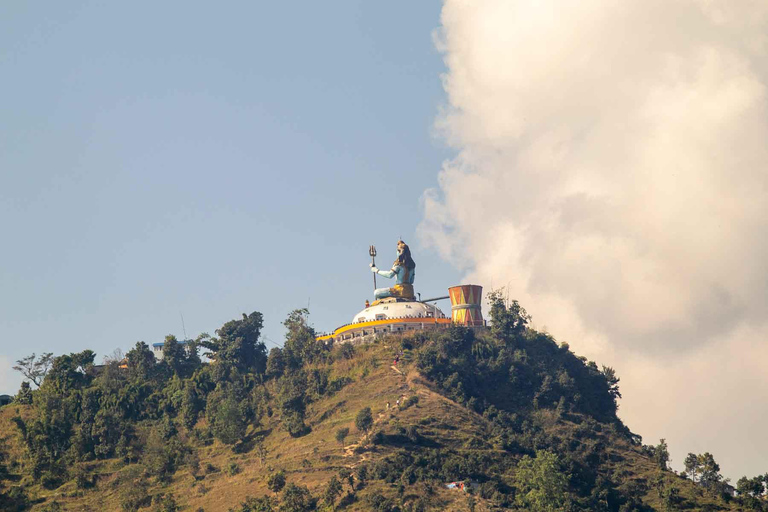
{"points": [[404, 256]]}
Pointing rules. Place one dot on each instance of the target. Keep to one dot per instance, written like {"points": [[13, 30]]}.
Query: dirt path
{"points": [[349, 451], [411, 385]]}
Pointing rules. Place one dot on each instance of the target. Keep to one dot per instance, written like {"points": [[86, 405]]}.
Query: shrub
{"points": [[83, 480], [15, 498], [276, 481], [263, 504], [226, 417], [337, 384], [410, 401], [362, 476], [364, 420], [162, 457], [133, 495], [293, 421], [51, 479], [379, 503], [166, 503], [342, 434], [346, 476], [378, 437], [297, 499], [541, 483], [332, 491], [233, 468], [346, 351]]}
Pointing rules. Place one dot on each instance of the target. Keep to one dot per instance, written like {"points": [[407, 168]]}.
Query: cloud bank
{"points": [[612, 171]]}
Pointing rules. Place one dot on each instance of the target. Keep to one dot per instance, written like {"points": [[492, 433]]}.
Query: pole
{"points": [[372, 252]]}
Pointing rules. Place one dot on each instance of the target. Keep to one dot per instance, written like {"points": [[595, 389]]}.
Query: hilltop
{"points": [[520, 420]]}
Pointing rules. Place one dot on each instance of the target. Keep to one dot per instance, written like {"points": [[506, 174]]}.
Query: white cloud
{"points": [[612, 169]]}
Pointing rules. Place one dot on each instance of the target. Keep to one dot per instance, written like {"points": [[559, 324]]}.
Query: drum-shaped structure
{"points": [[465, 305]]}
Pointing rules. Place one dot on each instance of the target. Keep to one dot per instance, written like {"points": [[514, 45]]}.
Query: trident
{"points": [[372, 252]]}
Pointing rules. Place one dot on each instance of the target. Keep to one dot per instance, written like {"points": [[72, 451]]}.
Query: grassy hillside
{"points": [[532, 442]]}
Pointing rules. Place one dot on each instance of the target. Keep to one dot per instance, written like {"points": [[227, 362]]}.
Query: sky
{"points": [[619, 149], [604, 161], [167, 160]]}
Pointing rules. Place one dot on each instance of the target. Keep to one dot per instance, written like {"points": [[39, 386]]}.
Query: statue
{"points": [[404, 269]]}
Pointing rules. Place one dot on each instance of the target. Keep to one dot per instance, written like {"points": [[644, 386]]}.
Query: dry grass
{"points": [[312, 459]]}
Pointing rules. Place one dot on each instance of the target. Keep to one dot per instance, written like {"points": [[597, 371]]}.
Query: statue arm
{"points": [[389, 274]]}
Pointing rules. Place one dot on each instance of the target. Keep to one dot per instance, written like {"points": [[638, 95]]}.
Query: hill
{"points": [[520, 421]]}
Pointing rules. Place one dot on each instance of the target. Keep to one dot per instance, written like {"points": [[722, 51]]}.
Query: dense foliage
{"points": [[516, 368], [132, 408], [153, 416]]}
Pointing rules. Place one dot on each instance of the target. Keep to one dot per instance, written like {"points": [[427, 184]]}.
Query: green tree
{"points": [[69, 372], [35, 368], [612, 381], [225, 415], [710, 470], [364, 420], [275, 363], [24, 395], [276, 481], [49, 434], [541, 483], [341, 435], [692, 466], [292, 396], [262, 504], [751, 491], [238, 345], [175, 355], [134, 491], [671, 498], [508, 322], [332, 491], [296, 499], [162, 455], [193, 356], [191, 406], [141, 362], [166, 503], [108, 427], [300, 345], [14, 499], [293, 422], [346, 476], [362, 475], [661, 455]]}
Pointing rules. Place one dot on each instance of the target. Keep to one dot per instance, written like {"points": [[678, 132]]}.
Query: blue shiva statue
{"points": [[404, 269]]}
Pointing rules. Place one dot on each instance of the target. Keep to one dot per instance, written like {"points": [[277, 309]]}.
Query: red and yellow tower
{"points": [[465, 305]]}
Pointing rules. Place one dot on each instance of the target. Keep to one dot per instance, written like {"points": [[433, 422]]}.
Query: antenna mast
{"points": [[183, 329]]}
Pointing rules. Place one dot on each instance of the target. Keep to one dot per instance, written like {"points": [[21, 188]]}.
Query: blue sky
{"points": [[167, 158], [609, 166]]}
